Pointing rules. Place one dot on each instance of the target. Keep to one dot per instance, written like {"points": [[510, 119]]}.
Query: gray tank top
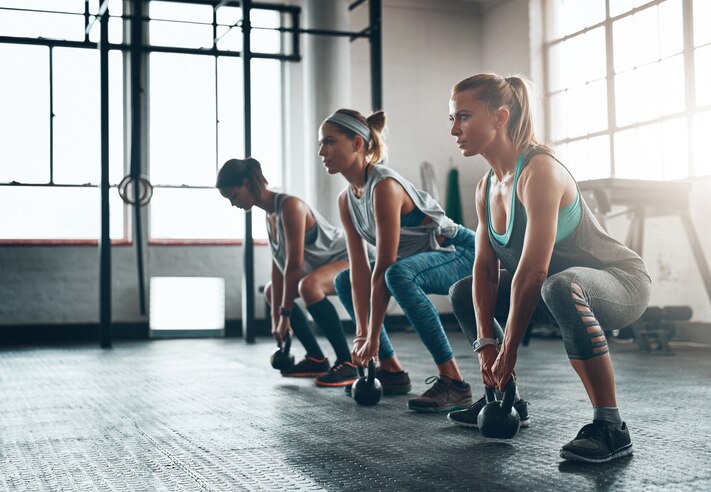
{"points": [[588, 245], [323, 243], [413, 240]]}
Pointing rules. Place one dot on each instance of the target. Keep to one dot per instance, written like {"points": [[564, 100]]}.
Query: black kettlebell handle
{"points": [[371, 372], [287, 342], [490, 393], [509, 394]]}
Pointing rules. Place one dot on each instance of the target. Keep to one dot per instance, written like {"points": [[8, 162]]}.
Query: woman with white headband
{"points": [[419, 251]]}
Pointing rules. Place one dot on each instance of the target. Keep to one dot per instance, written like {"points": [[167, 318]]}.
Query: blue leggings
{"points": [[409, 280], [582, 302]]}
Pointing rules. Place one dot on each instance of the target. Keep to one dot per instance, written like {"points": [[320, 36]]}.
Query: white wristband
{"points": [[480, 343]]}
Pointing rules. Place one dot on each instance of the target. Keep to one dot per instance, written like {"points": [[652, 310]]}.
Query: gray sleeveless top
{"points": [[413, 240], [588, 246], [323, 243]]}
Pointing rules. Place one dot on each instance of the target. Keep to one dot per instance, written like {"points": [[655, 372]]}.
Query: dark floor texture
{"points": [[212, 415]]}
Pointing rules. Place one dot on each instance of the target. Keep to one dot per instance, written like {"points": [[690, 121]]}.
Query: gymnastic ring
{"points": [[145, 190]]}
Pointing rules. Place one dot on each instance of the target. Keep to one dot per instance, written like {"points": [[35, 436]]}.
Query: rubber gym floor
{"points": [[211, 414]]}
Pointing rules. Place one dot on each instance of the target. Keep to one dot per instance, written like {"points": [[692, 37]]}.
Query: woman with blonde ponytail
{"points": [[419, 251], [559, 265]]}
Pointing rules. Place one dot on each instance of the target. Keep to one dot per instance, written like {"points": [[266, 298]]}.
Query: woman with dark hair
{"points": [[307, 253], [419, 251], [559, 264]]}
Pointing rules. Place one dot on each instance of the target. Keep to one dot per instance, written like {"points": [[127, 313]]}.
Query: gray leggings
{"points": [[580, 301]]}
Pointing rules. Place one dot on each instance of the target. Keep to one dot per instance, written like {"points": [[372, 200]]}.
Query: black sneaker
{"points": [[308, 367], [597, 443], [344, 374], [443, 396], [468, 416], [394, 383]]}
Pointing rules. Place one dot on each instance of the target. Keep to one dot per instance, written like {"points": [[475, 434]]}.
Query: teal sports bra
{"points": [[568, 217]]}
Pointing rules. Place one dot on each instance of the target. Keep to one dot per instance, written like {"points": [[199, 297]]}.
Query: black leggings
{"points": [[581, 301]]}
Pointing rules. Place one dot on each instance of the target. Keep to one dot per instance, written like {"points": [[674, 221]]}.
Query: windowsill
{"points": [[204, 242], [122, 242]]}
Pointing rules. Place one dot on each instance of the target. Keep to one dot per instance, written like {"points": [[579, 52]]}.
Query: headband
{"points": [[349, 122]]}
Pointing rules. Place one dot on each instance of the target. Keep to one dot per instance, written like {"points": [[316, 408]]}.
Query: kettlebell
{"points": [[281, 359], [498, 419], [367, 390]]}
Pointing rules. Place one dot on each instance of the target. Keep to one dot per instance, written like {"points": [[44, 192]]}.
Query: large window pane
{"points": [[626, 154], [671, 26], [42, 25], [556, 68], [649, 152], [24, 114], [182, 119], [702, 59], [676, 149], [646, 36], [56, 213], [599, 157], [618, 7], [672, 85], [702, 22], [579, 159], [199, 214], [626, 98], [623, 44], [559, 116], [702, 157], [577, 116], [265, 41], [267, 119], [596, 110], [179, 25], [575, 61], [77, 116], [229, 35], [230, 109], [75, 6]]}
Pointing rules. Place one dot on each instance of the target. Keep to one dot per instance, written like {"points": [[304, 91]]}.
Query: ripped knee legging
{"points": [[582, 302]]}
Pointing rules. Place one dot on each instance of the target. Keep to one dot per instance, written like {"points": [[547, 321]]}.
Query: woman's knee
{"points": [[342, 282], [558, 288], [398, 275], [460, 293]]}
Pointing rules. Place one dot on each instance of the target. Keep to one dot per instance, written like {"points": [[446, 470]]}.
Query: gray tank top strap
{"points": [[413, 240], [588, 245], [323, 244]]}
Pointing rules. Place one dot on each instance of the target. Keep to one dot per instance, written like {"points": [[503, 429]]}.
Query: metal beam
{"points": [[248, 323], [105, 240]]}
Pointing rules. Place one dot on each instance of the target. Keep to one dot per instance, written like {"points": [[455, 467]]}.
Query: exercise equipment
{"points": [[281, 359], [657, 326], [499, 419], [367, 390]]}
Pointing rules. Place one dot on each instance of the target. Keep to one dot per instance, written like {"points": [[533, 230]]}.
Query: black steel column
{"points": [[136, 132], [105, 241], [376, 53], [248, 327]]}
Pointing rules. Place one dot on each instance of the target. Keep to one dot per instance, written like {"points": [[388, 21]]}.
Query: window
{"points": [[49, 122], [196, 118], [627, 95], [50, 117]]}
